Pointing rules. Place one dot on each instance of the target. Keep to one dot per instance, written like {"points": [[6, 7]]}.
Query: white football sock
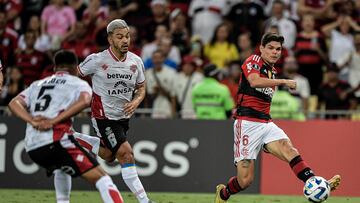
{"points": [[133, 182], [108, 190], [62, 182]]}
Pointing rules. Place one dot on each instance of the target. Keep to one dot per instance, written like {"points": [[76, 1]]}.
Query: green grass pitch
{"points": [[48, 196]]}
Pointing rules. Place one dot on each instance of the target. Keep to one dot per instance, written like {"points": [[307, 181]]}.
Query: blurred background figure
{"points": [[211, 99], [245, 46], [179, 31], [58, 22], [352, 62], [285, 106], [232, 78], [13, 86], [80, 42], [247, 16], [8, 39], [302, 91], [287, 27], [310, 52], [186, 79], [160, 87], [160, 16], [220, 50], [205, 16], [335, 94], [30, 61]]}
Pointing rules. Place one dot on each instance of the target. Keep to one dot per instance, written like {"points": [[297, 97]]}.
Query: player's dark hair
{"points": [[65, 58], [271, 37]]}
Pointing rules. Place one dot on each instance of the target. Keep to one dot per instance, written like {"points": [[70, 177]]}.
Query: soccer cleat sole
{"points": [[218, 190], [334, 182]]}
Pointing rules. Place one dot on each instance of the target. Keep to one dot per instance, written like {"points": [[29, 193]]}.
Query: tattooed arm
{"points": [[139, 95]]}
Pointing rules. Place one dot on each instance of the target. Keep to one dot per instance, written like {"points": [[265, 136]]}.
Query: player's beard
{"points": [[121, 49]]}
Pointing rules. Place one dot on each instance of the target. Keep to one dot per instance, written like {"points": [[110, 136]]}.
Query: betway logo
{"points": [[119, 76]]}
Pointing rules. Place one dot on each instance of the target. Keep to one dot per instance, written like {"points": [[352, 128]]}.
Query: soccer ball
{"points": [[316, 189]]}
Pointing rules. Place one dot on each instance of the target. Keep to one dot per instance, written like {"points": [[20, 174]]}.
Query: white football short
{"points": [[250, 137], [90, 143]]}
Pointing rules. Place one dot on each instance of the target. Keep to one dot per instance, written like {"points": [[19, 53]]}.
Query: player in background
{"points": [[253, 127], [50, 143], [1, 77], [118, 84]]}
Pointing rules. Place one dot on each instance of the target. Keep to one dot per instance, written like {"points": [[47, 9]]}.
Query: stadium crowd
{"points": [[178, 38]]}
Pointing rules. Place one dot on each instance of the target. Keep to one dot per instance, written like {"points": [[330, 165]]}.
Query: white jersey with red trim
{"points": [[49, 97], [113, 82]]}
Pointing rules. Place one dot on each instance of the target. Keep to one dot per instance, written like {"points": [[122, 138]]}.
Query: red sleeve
{"points": [[252, 65]]}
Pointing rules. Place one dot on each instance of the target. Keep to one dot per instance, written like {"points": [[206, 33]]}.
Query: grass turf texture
{"points": [[47, 196]]}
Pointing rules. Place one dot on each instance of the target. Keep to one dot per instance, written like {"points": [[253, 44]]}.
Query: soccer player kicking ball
{"points": [[118, 83], [50, 142], [253, 127]]}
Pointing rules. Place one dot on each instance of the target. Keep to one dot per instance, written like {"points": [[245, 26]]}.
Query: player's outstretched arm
{"points": [[18, 106], [259, 82]]}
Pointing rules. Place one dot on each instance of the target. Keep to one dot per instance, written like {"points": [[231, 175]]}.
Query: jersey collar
{"points": [[114, 56]]}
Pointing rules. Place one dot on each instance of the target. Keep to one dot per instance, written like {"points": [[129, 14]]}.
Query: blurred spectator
{"points": [[160, 16], [79, 7], [352, 62], [31, 8], [172, 54], [80, 42], [58, 21], [244, 46], [8, 42], [197, 51], [206, 16], [160, 87], [101, 33], [94, 16], [247, 16], [339, 32], [320, 9], [232, 78], [13, 86], [310, 51], [13, 9], [183, 85], [148, 49], [135, 44], [220, 51], [302, 91], [42, 42], [290, 11], [179, 31], [285, 106], [30, 61], [287, 28], [134, 12], [336, 94], [211, 99]]}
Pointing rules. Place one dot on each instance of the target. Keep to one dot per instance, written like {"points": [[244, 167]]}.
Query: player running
{"points": [[118, 84], [59, 97], [253, 127]]}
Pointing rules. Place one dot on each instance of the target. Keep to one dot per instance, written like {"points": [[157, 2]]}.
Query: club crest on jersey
{"points": [[133, 68], [104, 66]]}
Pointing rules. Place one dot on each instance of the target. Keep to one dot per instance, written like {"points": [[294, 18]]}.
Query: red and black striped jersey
{"points": [[254, 103]]}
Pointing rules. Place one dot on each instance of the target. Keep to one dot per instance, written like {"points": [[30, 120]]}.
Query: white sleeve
{"points": [[88, 66], [140, 79], [305, 91], [84, 87], [25, 95]]}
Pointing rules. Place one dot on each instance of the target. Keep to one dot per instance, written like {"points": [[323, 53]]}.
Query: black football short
{"points": [[72, 159], [112, 132]]}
